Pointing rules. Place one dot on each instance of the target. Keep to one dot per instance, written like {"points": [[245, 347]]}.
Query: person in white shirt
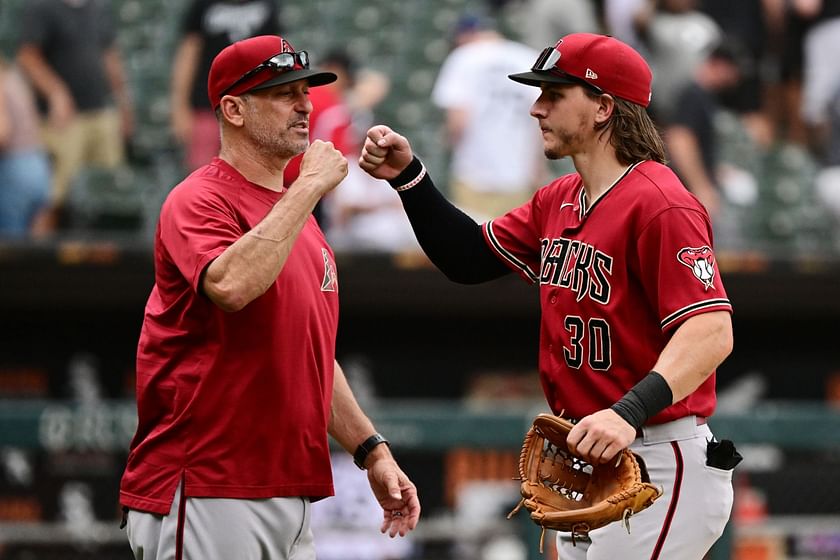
{"points": [[488, 176]]}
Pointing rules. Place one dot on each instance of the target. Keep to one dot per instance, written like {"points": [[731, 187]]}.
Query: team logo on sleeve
{"points": [[330, 281], [701, 261]]}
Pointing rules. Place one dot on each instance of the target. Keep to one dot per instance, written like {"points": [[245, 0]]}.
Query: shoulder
{"points": [[456, 58], [655, 187], [660, 179], [207, 187], [565, 190], [563, 187]]}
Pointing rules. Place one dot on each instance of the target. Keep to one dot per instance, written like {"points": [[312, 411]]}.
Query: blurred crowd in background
{"points": [[104, 109], [103, 106]]}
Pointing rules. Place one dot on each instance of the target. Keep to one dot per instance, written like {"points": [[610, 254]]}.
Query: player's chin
{"points": [[551, 153], [299, 146]]}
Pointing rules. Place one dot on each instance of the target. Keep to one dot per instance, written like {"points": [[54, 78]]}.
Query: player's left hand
{"points": [[396, 494], [599, 437]]}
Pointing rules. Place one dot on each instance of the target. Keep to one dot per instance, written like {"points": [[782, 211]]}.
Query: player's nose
{"points": [[538, 110]]}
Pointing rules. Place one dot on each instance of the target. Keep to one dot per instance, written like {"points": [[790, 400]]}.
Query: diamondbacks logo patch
{"points": [[701, 261], [330, 281]]}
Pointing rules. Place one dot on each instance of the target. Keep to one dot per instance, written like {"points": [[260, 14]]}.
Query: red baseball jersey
{"points": [[615, 280], [235, 404]]}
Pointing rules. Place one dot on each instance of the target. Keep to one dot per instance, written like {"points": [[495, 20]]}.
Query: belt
{"points": [[699, 420]]}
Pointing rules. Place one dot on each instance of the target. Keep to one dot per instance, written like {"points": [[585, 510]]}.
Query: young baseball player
{"points": [[635, 318], [237, 383]]}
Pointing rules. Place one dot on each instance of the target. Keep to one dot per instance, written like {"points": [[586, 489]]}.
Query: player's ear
{"points": [[606, 106], [232, 109]]}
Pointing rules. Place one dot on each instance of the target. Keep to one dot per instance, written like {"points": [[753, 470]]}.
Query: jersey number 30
{"points": [[590, 340]]}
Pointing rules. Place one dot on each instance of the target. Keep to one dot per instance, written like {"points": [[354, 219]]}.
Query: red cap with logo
{"points": [[258, 63], [599, 61]]}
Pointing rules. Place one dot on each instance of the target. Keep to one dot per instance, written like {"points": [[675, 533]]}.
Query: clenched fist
{"points": [[323, 165], [385, 153]]}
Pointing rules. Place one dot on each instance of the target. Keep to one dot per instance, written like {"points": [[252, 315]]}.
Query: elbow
{"points": [[226, 297], [725, 340]]}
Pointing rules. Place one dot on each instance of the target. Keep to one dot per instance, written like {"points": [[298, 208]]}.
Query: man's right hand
{"points": [[385, 153], [323, 165]]}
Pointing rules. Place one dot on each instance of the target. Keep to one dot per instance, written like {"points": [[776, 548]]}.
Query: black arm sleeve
{"points": [[452, 240]]}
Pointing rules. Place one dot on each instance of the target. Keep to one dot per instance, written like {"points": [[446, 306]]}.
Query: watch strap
{"points": [[366, 447]]}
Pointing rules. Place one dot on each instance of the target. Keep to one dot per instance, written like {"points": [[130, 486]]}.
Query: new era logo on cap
{"points": [[601, 61]]}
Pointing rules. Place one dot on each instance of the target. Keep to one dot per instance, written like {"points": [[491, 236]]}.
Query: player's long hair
{"points": [[632, 133]]}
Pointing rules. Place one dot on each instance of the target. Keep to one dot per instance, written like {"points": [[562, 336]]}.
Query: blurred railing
{"points": [[58, 426]]}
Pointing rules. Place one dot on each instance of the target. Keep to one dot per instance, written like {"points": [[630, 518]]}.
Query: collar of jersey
{"points": [[584, 211]]}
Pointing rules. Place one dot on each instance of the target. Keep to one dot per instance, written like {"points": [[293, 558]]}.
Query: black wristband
{"points": [[366, 447], [412, 171], [647, 398]]}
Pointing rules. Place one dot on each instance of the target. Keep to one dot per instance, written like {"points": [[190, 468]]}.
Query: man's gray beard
{"points": [[277, 146], [272, 144]]}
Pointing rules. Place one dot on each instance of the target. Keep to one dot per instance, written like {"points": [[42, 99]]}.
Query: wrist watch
{"points": [[366, 447]]}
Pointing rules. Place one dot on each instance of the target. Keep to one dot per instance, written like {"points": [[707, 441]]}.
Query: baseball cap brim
{"points": [[314, 76], [535, 78]]}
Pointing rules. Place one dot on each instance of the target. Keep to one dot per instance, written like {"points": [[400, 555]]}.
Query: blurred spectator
{"points": [[827, 182], [362, 213], [24, 168], [833, 145], [787, 101], [331, 118], [751, 21], [365, 214], [68, 50], [541, 22], [678, 37], [207, 27], [620, 20], [497, 160], [821, 71], [690, 135], [346, 527]]}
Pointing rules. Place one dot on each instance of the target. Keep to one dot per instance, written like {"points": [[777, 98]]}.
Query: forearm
{"points": [[42, 77], [184, 69], [5, 117], [698, 346], [349, 425], [246, 269], [451, 239], [685, 154], [116, 77]]}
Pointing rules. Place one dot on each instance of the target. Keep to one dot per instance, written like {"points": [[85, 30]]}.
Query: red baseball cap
{"points": [[600, 61], [257, 63]]}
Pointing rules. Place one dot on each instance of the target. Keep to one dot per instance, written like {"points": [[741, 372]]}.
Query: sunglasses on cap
{"points": [[280, 62], [546, 63]]}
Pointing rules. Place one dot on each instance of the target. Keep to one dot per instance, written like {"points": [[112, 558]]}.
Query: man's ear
{"points": [[232, 109], [606, 106]]}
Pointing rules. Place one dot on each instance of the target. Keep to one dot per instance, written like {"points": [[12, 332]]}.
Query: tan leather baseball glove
{"points": [[565, 493]]}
